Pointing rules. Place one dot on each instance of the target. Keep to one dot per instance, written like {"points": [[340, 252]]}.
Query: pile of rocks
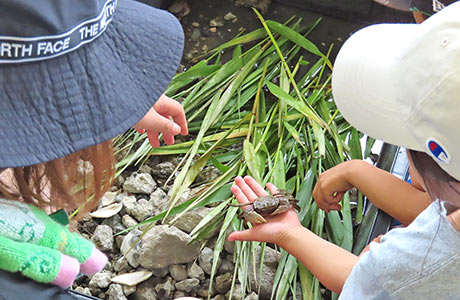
{"points": [[162, 263]]}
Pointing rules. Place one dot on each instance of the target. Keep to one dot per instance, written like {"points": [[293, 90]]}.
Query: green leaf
{"points": [[251, 160], [295, 103], [297, 38], [279, 172], [355, 145]]}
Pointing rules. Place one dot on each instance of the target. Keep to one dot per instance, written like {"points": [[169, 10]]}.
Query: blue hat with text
{"points": [[77, 73]]}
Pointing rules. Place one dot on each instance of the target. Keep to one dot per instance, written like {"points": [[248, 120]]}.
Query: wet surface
{"points": [[335, 26]]}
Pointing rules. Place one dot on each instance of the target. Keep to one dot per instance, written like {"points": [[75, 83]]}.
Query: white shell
{"points": [[131, 279], [108, 211]]}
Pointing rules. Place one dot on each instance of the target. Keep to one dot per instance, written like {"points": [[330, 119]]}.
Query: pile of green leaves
{"points": [[269, 113]]}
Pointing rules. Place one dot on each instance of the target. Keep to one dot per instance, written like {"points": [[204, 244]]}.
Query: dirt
{"points": [[336, 25]]}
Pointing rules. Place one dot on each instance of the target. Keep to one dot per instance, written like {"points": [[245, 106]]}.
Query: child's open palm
{"points": [[247, 190]]}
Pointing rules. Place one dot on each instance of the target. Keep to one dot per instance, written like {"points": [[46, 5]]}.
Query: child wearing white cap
{"points": [[399, 83]]}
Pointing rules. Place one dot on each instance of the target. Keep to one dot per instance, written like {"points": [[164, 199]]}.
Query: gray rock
{"points": [[82, 290], [270, 264], [179, 294], [206, 260], [144, 209], [237, 293], [160, 272], [166, 289], [115, 292], [119, 180], [100, 280], [121, 265], [203, 289], [165, 245], [219, 297], [119, 240], [223, 282], [228, 245], [159, 201], [217, 22], [128, 221], [145, 169], [226, 266], [129, 203], [130, 247], [164, 170], [115, 223], [188, 221], [103, 237], [146, 290], [208, 174], [178, 272], [128, 290], [195, 271], [196, 34], [108, 266], [254, 296], [229, 16], [187, 285], [261, 5], [142, 183]]}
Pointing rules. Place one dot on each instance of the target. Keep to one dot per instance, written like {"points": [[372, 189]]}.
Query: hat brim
{"points": [[365, 82], [55, 107]]}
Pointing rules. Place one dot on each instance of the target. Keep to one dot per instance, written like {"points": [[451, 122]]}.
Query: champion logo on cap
{"points": [[437, 151]]}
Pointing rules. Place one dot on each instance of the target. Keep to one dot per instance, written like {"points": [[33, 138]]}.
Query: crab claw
{"points": [[254, 217]]}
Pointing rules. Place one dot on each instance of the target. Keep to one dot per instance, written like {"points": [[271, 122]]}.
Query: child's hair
{"points": [[75, 181], [439, 184]]}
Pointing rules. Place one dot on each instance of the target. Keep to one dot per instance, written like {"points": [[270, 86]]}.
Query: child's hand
{"points": [[40, 248], [158, 119], [247, 190], [331, 186]]}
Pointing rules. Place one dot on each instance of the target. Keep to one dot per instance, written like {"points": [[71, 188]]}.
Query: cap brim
{"points": [[364, 82], [52, 108]]}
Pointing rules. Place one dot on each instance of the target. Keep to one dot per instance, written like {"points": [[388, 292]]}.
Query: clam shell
{"points": [[108, 211], [131, 279]]}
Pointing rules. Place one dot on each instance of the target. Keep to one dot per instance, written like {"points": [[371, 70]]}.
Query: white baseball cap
{"points": [[401, 83]]}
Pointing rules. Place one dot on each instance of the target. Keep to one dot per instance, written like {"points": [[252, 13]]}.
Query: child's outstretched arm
{"points": [[396, 197], [328, 262]]}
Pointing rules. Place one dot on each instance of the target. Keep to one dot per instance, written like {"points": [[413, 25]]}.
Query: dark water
{"points": [[338, 20]]}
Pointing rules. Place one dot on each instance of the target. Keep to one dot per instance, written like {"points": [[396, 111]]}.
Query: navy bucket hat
{"points": [[76, 73]]}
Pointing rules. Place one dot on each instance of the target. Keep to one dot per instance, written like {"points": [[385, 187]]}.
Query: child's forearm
{"points": [[328, 262], [394, 196]]}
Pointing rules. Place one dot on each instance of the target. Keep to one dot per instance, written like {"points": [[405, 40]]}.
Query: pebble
{"points": [[229, 16]]}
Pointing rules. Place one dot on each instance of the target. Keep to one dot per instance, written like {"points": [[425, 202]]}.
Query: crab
{"points": [[269, 205]]}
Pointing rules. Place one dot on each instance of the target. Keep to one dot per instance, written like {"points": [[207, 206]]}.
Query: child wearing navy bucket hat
{"points": [[399, 83], [73, 75]]}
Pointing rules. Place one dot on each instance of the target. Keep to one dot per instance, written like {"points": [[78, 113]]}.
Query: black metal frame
{"points": [[375, 221]]}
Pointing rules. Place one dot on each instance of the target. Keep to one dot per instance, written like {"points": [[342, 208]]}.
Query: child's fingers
{"points": [[247, 190], [255, 187], [153, 138], [170, 107], [67, 272], [239, 195], [244, 235], [168, 138], [272, 188], [39, 263], [94, 263]]}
